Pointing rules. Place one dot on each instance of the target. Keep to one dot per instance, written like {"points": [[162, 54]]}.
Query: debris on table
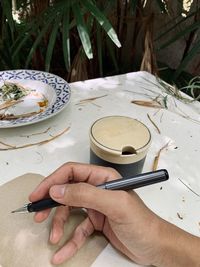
{"points": [[147, 103], [188, 187], [13, 147], [158, 130], [86, 100], [179, 216], [156, 160]]}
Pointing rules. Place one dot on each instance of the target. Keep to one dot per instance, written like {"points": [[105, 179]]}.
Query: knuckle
{"points": [[68, 164], [82, 231]]}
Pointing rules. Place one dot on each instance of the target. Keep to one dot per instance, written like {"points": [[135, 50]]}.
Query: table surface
{"points": [[176, 200]]}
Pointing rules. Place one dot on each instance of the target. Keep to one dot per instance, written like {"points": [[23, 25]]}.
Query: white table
{"points": [[173, 200]]}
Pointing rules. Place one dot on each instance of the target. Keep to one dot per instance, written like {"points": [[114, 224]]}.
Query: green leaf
{"points": [[193, 52], [112, 54], [165, 101], [103, 21], [7, 11], [38, 40], [23, 38], [66, 38], [52, 41], [28, 29], [99, 49], [82, 30]]}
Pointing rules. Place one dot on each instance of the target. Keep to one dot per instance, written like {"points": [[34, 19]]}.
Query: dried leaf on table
{"points": [[90, 99], [147, 103], [2, 143], [45, 131], [153, 123], [12, 147], [156, 160]]}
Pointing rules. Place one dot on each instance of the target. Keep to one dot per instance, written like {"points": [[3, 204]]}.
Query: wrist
{"points": [[176, 248]]}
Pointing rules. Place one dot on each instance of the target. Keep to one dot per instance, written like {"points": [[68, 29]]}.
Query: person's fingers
{"points": [[76, 172], [113, 204], [57, 229], [41, 215], [79, 237]]}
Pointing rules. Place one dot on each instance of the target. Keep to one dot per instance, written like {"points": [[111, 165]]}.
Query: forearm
{"points": [[178, 248]]}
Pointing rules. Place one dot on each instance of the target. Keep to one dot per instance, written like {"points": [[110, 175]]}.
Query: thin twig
{"points": [[34, 144], [90, 99], [7, 144], [189, 188], [155, 163], [156, 112], [36, 133], [161, 117], [153, 123], [96, 105]]}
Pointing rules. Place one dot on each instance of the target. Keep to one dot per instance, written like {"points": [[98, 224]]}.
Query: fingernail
{"points": [[58, 191]]}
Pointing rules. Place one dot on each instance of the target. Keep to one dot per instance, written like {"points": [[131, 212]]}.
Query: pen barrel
{"points": [[137, 181], [42, 205]]}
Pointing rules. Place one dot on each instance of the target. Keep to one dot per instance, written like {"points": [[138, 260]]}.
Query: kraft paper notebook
{"points": [[24, 243]]}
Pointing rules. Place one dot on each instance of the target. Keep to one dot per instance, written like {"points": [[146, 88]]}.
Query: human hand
{"points": [[122, 217]]}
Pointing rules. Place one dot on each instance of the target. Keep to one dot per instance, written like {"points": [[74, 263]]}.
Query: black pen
{"points": [[137, 181]]}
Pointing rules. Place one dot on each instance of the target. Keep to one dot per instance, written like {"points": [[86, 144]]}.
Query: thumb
{"points": [[88, 196]]}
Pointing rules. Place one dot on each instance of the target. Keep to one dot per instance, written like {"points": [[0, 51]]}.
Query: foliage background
{"points": [[82, 39]]}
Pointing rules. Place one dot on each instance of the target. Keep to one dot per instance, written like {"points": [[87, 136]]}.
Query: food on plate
{"points": [[16, 101]]}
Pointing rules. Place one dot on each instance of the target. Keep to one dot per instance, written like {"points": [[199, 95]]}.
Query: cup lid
{"points": [[120, 135]]}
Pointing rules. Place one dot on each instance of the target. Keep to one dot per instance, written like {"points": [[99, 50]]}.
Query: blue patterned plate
{"points": [[54, 88]]}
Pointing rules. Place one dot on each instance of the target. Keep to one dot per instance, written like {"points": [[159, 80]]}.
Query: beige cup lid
{"points": [[120, 135]]}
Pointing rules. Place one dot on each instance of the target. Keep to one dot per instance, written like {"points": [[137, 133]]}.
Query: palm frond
{"points": [[66, 38], [103, 21], [82, 30], [52, 41]]}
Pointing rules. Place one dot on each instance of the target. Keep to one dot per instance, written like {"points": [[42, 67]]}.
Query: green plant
{"points": [[58, 23], [186, 26], [80, 39]]}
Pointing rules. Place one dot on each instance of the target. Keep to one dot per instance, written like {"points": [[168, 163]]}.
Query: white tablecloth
{"points": [[177, 200]]}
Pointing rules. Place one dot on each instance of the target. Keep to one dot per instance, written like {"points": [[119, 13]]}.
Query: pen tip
{"points": [[20, 210]]}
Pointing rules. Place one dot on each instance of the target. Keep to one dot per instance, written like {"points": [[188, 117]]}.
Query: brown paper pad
{"points": [[24, 243]]}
